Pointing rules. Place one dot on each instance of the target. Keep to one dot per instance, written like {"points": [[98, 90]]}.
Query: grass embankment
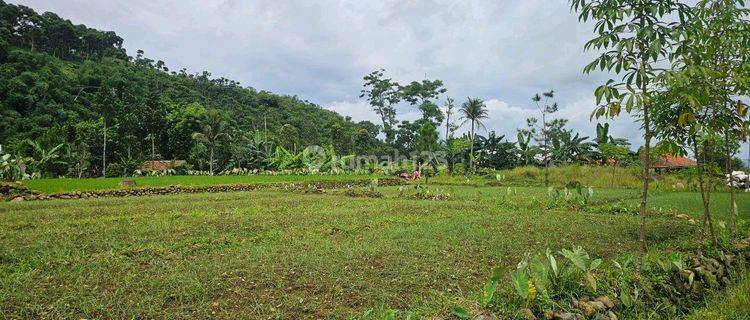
{"points": [[275, 254], [92, 184]]}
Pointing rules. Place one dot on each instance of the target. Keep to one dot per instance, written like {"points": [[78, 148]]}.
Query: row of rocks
{"points": [[12, 191], [699, 275], [588, 308], [150, 191]]}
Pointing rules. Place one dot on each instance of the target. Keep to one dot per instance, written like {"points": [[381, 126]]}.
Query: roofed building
{"points": [[161, 165]]}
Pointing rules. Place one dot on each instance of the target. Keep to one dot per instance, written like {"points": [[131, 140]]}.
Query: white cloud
{"points": [[357, 110]]}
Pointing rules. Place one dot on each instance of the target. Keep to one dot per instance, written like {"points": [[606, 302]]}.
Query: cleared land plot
{"points": [[269, 254], [67, 185]]}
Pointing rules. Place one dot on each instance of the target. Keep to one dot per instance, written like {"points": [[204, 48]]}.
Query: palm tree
{"points": [[213, 127], [473, 110]]}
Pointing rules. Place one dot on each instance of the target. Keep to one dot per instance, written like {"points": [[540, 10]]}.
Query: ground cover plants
{"points": [[295, 254], [218, 200]]}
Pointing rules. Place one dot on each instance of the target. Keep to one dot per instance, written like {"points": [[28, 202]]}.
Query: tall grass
{"points": [[560, 176], [596, 176]]}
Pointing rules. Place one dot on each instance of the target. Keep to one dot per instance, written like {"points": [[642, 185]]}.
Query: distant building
{"points": [[161, 165], [670, 162]]}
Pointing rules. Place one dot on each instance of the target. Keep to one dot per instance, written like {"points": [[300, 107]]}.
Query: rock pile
{"points": [[12, 191], [689, 282]]}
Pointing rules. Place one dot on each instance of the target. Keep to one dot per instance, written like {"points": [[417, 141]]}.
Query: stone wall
{"points": [[149, 191]]}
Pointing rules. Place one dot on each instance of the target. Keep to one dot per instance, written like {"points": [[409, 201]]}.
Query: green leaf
{"points": [[488, 291], [578, 257], [520, 282], [461, 313], [595, 264], [591, 280], [497, 271], [389, 315], [625, 296], [552, 262]]}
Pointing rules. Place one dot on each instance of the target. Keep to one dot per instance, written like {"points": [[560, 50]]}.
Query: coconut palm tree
{"points": [[474, 111], [213, 128]]}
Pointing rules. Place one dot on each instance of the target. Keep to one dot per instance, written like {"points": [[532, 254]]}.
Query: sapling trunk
{"points": [[104, 151], [546, 149], [732, 199], [644, 191], [211, 160], [471, 155], [153, 149], [704, 180]]}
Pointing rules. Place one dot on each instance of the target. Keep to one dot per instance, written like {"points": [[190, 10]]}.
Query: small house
{"points": [[161, 165], [670, 162]]}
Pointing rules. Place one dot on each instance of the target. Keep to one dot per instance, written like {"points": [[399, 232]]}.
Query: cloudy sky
{"points": [[502, 51]]}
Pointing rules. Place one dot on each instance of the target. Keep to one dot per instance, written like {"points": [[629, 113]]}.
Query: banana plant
{"points": [[43, 158], [525, 150]]}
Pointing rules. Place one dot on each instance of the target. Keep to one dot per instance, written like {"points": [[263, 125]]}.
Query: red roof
{"points": [[161, 165], [668, 162]]}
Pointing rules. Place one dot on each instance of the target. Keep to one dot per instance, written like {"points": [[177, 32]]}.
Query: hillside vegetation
{"points": [[62, 83]]}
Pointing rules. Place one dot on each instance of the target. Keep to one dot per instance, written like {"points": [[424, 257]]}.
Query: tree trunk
{"points": [[732, 199], [153, 149], [644, 191], [211, 161], [447, 125], [704, 180], [104, 151], [546, 150], [471, 154]]}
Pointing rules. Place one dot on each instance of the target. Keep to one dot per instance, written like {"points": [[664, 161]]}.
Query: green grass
{"points": [[559, 176], [67, 185], [277, 254], [733, 304]]}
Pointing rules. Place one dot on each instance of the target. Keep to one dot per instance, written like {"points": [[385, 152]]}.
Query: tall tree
{"points": [[633, 37], [213, 130], [711, 56], [382, 94], [545, 130], [449, 126], [473, 111], [422, 94]]}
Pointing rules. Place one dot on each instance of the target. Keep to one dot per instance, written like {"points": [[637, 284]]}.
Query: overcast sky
{"points": [[502, 51]]}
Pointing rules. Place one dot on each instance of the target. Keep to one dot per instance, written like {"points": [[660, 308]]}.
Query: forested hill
{"points": [[64, 83]]}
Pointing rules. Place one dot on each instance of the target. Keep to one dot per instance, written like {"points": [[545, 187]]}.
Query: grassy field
{"points": [[278, 254], [66, 185], [734, 304], [596, 176]]}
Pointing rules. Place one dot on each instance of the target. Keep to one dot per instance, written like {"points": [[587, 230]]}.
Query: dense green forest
{"points": [[62, 83]]}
